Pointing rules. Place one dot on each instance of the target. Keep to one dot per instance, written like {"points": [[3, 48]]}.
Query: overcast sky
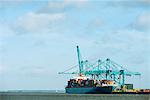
{"points": [[38, 39]]}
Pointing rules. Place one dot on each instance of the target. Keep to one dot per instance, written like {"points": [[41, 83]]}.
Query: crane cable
{"points": [[69, 68]]}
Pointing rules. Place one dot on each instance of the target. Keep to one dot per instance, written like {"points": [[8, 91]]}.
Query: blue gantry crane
{"points": [[101, 70]]}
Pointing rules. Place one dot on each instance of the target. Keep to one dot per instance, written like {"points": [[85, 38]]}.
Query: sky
{"points": [[38, 39]]}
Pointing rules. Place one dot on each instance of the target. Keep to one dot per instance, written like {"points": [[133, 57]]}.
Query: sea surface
{"points": [[61, 95]]}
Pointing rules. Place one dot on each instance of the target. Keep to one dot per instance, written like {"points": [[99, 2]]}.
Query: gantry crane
{"points": [[102, 70]]}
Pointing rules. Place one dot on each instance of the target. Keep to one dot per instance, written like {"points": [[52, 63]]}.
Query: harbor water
{"points": [[63, 96]]}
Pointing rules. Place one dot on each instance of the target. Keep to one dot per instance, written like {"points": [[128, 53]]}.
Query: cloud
{"points": [[5, 30], [47, 19], [146, 1], [95, 23], [13, 3], [124, 42], [129, 3], [38, 22], [62, 6], [52, 4], [3, 68], [66, 3], [76, 2], [142, 22], [35, 71]]}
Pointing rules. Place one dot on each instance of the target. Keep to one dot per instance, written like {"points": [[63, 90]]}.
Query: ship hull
{"points": [[90, 90]]}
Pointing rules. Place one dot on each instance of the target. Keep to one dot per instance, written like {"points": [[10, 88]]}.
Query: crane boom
{"points": [[80, 62]]}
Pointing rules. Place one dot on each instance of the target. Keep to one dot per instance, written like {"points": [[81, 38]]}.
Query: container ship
{"points": [[101, 77], [84, 85]]}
